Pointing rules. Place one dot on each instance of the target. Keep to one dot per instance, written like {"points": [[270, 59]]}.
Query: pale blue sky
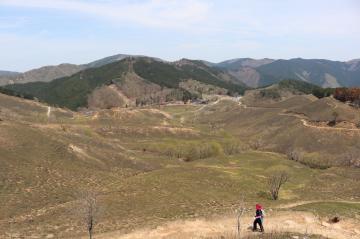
{"points": [[34, 33]]}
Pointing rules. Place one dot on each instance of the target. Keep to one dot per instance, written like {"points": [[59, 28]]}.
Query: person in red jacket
{"points": [[259, 216]]}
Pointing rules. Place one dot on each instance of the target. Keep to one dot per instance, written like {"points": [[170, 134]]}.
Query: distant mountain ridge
{"points": [[324, 73], [8, 73], [43, 74], [252, 72], [49, 73]]}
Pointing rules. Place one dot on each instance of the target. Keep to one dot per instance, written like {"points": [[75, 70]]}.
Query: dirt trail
{"points": [[299, 222], [306, 123]]}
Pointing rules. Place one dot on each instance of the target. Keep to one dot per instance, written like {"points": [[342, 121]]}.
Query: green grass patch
{"points": [[342, 209]]}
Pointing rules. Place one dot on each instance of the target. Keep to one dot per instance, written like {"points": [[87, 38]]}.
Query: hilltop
{"points": [[284, 90]]}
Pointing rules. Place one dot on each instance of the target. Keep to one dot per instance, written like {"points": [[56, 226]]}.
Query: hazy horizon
{"points": [[35, 33], [101, 57]]}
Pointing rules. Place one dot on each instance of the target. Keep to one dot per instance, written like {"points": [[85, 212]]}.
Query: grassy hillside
{"points": [[73, 92], [154, 165], [284, 90]]}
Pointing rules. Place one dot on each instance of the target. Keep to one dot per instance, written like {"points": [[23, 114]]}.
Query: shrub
{"points": [[295, 155], [202, 151], [256, 144], [231, 147], [316, 163], [270, 93], [275, 182], [189, 151]]}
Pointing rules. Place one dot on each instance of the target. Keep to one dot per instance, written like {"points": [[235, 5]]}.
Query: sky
{"points": [[35, 33]]}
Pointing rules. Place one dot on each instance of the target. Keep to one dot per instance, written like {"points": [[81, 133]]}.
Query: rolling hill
{"points": [[153, 166], [137, 80]]}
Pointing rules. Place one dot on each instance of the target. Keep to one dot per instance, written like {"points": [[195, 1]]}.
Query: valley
{"points": [[177, 170]]}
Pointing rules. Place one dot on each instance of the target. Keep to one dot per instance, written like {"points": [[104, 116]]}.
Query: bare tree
{"points": [[335, 116], [88, 210], [240, 210], [275, 182], [295, 155], [256, 144]]}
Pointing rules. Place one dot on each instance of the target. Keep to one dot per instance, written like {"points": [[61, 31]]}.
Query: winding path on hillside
{"points": [[305, 122]]}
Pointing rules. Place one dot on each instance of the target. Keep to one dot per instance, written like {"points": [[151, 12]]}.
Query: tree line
{"points": [[351, 95]]}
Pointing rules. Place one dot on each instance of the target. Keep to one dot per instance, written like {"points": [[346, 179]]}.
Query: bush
{"points": [[270, 93], [231, 147], [316, 163], [256, 144], [202, 151], [275, 182], [295, 155], [189, 151]]}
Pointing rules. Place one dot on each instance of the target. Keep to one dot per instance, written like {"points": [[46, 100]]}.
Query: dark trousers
{"points": [[258, 221]]}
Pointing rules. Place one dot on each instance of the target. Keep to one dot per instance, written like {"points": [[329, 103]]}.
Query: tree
{"points": [[335, 116], [295, 155], [240, 210], [256, 144], [88, 210], [275, 182]]}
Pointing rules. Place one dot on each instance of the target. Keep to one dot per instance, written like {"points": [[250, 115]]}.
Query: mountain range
{"points": [[252, 72], [122, 80]]}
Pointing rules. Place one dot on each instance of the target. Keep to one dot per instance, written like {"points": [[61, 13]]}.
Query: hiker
{"points": [[259, 218]]}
